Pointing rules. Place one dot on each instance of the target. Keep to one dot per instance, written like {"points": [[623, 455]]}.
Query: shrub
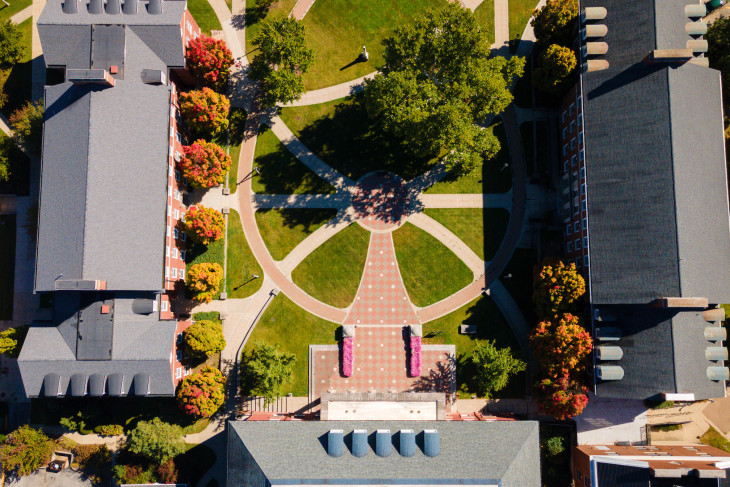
{"points": [[556, 288], [561, 347], [205, 111], [27, 123], [210, 61], [201, 395], [205, 164], [110, 430], [74, 423], [347, 356], [11, 44], [265, 370], [562, 398], [11, 341], [156, 440], [96, 457], [25, 450], [204, 338], [167, 472], [203, 224], [203, 280], [554, 446], [416, 360]]}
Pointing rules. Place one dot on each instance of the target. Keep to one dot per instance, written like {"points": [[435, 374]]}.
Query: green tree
{"points": [[265, 370], [554, 70], [27, 123], [439, 81], [156, 440], [202, 394], [282, 59], [555, 23], [493, 367], [11, 341], [25, 450], [11, 44], [204, 338]]}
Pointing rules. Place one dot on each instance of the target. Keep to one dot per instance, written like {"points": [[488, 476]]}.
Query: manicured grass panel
{"points": [[713, 438], [491, 177], [7, 265], [431, 272], [339, 132], [520, 269], [485, 16], [283, 230], [520, 12], [491, 325], [481, 229], [332, 273], [293, 329], [204, 15], [281, 171], [242, 264], [15, 6]]}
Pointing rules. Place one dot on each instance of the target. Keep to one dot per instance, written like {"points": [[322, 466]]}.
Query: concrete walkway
{"points": [[339, 200], [501, 27], [301, 8], [332, 93], [479, 200], [23, 15]]}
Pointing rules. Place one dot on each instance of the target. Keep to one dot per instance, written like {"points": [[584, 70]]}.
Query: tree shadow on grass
{"points": [[309, 219]]}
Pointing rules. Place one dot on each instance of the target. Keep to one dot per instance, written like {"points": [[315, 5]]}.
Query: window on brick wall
{"points": [[570, 246], [572, 126], [177, 175], [572, 143], [175, 232], [583, 188], [579, 262], [565, 132], [168, 230], [174, 253], [582, 172], [182, 255], [565, 150], [179, 338], [576, 227], [187, 370], [574, 161], [568, 229], [564, 116], [179, 355], [581, 155], [585, 260], [183, 237], [182, 274], [572, 109], [176, 214], [167, 272], [583, 205], [173, 272], [585, 223], [577, 245], [178, 372], [585, 242], [580, 120], [163, 306]]}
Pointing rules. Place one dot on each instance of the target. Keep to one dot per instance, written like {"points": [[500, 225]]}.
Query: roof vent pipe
{"points": [[130, 7], [113, 7], [383, 443], [335, 443], [70, 6], [407, 443], [431, 443], [359, 443], [96, 7], [154, 7]]}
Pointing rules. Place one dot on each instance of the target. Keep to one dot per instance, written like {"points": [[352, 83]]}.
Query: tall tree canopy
{"points": [[282, 59], [156, 440], [439, 81], [11, 44], [555, 23], [265, 370], [25, 450], [555, 66], [494, 367]]}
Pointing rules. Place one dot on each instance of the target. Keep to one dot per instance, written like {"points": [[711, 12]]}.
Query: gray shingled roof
{"points": [[294, 453], [104, 179], [655, 165]]}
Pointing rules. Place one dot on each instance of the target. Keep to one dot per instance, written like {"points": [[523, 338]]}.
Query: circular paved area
{"points": [[382, 200]]}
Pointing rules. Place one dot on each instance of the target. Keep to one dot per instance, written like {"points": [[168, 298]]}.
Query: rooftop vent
{"points": [[407, 443], [130, 7], [608, 352], [97, 382], [600, 314], [154, 7], [335, 443], [595, 49], [594, 13], [608, 334], [141, 384], [431, 443], [116, 383], [718, 373], [52, 385], [383, 443], [113, 7], [716, 353], [78, 385], [82, 77], [96, 7], [670, 302], [697, 45], [695, 10], [715, 333], [359, 443], [70, 6], [609, 372], [715, 314], [594, 30], [153, 77], [698, 28], [592, 65], [143, 306]]}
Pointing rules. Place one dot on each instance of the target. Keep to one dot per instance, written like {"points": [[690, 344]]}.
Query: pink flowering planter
{"points": [[415, 356], [347, 356]]}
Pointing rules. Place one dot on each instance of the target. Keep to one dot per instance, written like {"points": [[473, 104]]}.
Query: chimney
{"points": [[96, 6], [359, 443], [383, 443], [70, 6], [113, 7], [431, 443], [130, 7], [335, 443], [154, 7]]}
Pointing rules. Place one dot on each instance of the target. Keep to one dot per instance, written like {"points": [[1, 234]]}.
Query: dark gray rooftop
{"points": [[104, 178], [473, 453], [655, 164]]}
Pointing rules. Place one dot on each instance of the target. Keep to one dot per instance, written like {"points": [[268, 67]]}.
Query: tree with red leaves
{"points": [[210, 61], [201, 395], [203, 224], [562, 397], [561, 347], [205, 111], [205, 164]]}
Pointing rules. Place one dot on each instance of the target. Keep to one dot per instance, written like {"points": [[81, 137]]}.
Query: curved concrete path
{"points": [[332, 93]]}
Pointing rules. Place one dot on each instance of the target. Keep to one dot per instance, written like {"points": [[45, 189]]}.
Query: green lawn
{"points": [[204, 15], [491, 325], [281, 171], [485, 16], [492, 177], [520, 12], [15, 7], [337, 30], [7, 265], [236, 126], [713, 438], [519, 284], [15, 82], [431, 272], [282, 230], [339, 132], [481, 229], [197, 253], [241, 262], [279, 9], [293, 329], [333, 271]]}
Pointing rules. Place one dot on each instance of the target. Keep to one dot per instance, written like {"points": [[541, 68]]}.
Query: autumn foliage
{"points": [[203, 280], [205, 164], [210, 61], [205, 111], [557, 287], [201, 395], [562, 397], [562, 346], [203, 224]]}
